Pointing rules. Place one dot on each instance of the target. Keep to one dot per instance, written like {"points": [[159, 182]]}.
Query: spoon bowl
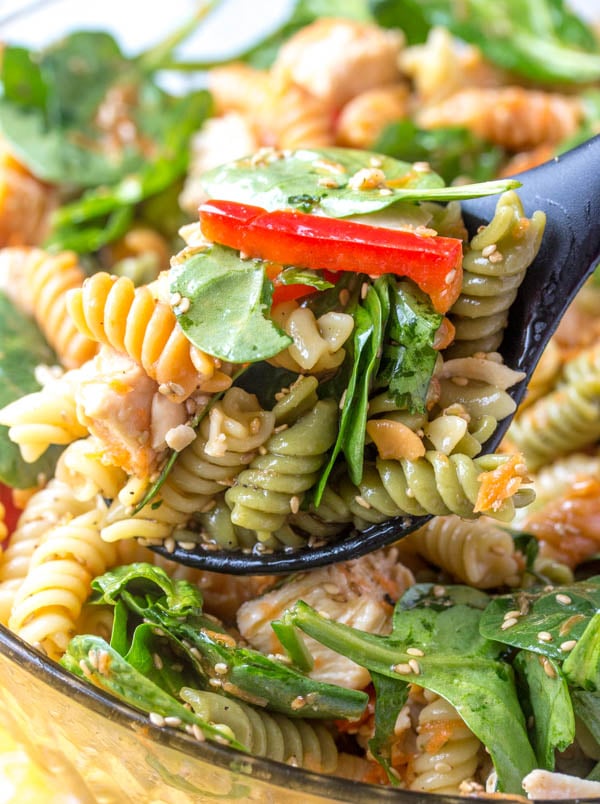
{"points": [[567, 190]]}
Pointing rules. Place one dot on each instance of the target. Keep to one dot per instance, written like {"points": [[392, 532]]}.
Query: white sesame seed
{"points": [[415, 652], [169, 544], [564, 600], [512, 613], [173, 721], [568, 645], [450, 276], [295, 504], [544, 636], [298, 702], [487, 250], [221, 668], [156, 719], [158, 662], [509, 623], [403, 668], [438, 591], [415, 666], [85, 669], [548, 669], [198, 733], [215, 682], [362, 502]]}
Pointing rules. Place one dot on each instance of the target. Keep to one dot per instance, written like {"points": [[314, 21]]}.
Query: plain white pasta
{"points": [[476, 552], [448, 750]]}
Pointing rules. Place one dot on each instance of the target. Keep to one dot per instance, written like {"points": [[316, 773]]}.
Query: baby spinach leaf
{"points": [[456, 662], [582, 665], [390, 697], [587, 708], [283, 179], [111, 672], [452, 152], [22, 348], [408, 358], [563, 612], [229, 299], [363, 356], [551, 707], [538, 39], [175, 608]]}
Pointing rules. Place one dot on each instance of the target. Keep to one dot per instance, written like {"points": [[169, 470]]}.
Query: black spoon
{"points": [[567, 189]]}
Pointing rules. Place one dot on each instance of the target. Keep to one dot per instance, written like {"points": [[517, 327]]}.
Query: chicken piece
{"points": [[336, 59], [121, 407], [357, 593], [220, 140], [363, 118], [543, 784], [513, 117]]}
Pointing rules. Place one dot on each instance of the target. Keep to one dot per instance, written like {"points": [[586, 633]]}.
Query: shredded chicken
{"points": [[358, 593]]}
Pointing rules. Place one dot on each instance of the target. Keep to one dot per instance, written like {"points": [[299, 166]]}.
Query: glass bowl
{"points": [[86, 745]]}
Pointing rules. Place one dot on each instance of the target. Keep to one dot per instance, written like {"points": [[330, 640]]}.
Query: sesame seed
{"points": [[548, 669], [156, 719], [362, 502], [215, 682], [295, 504], [512, 613], [364, 289], [344, 296], [450, 276], [198, 733], [93, 658], [169, 544], [402, 669], [438, 591], [343, 399], [564, 600], [85, 669], [187, 545], [415, 666], [158, 662], [221, 668], [173, 721], [175, 299], [415, 652], [184, 305], [497, 256], [421, 167], [298, 702], [509, 623], [544, 636], [442, 767], [568, 645], [487, 250]]}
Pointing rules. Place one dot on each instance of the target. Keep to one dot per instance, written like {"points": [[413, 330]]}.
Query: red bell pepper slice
{"points": [[310, 241]]}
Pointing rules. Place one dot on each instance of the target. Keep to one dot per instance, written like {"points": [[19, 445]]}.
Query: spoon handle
{"points": [[567, 189]]}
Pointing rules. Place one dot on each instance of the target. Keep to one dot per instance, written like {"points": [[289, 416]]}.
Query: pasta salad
{"points": [[251, 318]]}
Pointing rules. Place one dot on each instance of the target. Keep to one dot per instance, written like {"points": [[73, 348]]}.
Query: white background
{"points": [[139, 23]]}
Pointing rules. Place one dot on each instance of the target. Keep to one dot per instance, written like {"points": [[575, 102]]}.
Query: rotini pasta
{"points": [[38, 282], [112, 311], [295, 742]]}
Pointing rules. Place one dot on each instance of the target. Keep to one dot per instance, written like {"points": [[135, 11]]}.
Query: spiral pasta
{"points": [[363, 118], [49, 602], [45, 417], [81, 466], [228, 438], [267, 734], [47, 507], [493, 268], [25, 203], [449, 752], [112, 311], [478, 553], [273, 486], [561, 422], [38, 282]]}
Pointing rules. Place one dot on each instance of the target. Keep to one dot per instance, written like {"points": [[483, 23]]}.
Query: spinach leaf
{"points": [[228, 301], [538, 39], [363, 357], [22, 348], [408, 357], [174, 607], [283, 179], [550, 703], [582, 665], [452, 152], [457, 663], [563, 613], [390, 697], [587, 709], [91, 657]]}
